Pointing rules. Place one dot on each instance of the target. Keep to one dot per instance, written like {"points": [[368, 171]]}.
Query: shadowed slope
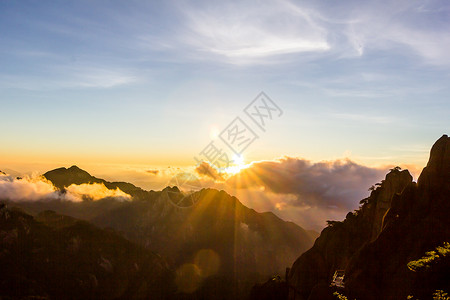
{"points": [[59, 257]]}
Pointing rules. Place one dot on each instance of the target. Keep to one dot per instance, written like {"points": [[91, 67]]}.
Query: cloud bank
{"points": [[302, 191], [26, 189], [329, 184], [95, 191], [39, 189]]}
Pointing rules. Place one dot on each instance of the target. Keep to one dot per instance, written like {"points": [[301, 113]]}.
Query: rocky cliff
{"points": [[417, 222], [397, 223], [340, 240]]}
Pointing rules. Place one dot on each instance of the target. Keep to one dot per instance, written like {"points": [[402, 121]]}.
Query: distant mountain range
{"points": [[395, 246], [248, 245]]}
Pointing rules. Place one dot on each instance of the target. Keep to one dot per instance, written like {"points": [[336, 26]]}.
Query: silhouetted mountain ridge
{"points": [[64, 177], [251, 246]]}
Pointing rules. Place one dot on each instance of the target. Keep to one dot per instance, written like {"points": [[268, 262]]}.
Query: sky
{"points": [[119, 87]]}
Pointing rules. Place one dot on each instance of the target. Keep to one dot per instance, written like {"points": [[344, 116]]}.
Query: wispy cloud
{"points": [[98, 77], [63, 77], [404, 27], [363, 118], [241, 32], [153, 172]]}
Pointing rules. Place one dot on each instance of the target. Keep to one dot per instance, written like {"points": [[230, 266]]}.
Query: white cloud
{"points": [[94, 191], [26, 189], [37, 188]]}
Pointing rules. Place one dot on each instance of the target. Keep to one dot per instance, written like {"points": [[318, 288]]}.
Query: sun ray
{"points": [[238, 164]]}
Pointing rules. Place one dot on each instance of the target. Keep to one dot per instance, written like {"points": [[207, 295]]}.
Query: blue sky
{"points": [[146, 82]]}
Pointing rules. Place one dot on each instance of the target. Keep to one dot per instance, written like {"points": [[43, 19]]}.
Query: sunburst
{"points": [[237, 164]]}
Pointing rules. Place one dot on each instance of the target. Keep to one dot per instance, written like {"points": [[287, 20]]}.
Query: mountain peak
{"points": [[437, 172], [74, 168], [171, 189], [63, 177], [440, 152]]}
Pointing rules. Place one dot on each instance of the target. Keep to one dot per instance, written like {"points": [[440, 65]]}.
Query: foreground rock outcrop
{"points": [[418, 222], [398, 223]]}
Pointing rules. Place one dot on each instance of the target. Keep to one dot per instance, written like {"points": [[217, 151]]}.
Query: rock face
{"points": [[434, 182], [341, 240], [399, 222], [417, 222], [394, 183]]}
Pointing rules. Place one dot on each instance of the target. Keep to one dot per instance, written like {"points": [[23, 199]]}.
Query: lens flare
{"points": [[208, 262], [188, 278]]}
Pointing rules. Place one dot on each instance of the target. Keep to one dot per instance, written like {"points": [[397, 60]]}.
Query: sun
{"points": [[237, 164]]}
